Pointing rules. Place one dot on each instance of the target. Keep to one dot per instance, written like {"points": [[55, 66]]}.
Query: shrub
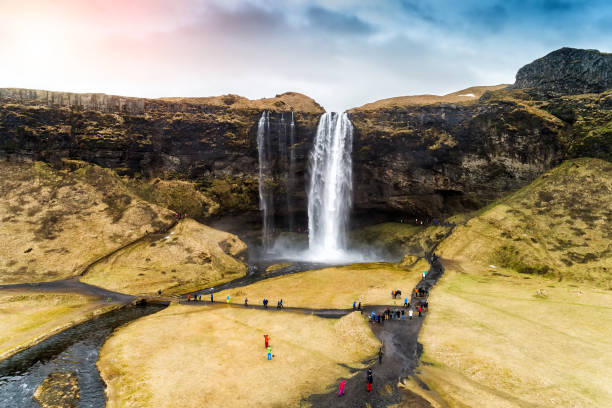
{"points": [[508, 256]]}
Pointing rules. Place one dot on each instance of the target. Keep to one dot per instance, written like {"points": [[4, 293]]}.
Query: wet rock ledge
{"points": [[58, 390]]}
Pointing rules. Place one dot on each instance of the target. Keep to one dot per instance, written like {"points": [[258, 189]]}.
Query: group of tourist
{"points": [[369, 382], [195, 297], [388, 314]]}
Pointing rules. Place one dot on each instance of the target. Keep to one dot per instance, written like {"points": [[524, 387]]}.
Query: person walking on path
{"points": [[269, 348], [246, 302], [406, 301], [369, 379], [354, 305], [188, 297], [227, 299], [420, 309], [410, 313], [380, 355], [267, 340], [211, 298], [341, 388], [359, 306]]}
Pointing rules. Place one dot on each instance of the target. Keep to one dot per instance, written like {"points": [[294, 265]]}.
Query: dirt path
{"points": [[153, 236], [402, 352], [73, 285]]}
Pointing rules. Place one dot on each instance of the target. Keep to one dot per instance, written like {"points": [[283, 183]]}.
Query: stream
{"points": [[73, 350]]}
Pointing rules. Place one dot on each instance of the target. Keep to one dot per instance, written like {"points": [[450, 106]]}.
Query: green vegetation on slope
{"points": [[558, 226], [398, 238]]}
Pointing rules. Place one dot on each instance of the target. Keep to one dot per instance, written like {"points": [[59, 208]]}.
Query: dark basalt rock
{"points": [[568, 71], [58, 390], [432, 158], [435, 159], [209, 142]]}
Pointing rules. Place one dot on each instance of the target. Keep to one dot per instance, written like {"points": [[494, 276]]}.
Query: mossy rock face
{"points": [[211, 142], [425, 155], [58, 390], [408, 261]]}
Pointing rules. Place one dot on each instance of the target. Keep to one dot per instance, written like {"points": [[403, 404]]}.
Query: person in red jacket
{"points": [[266, 339], [341, 388], [420, 309]]}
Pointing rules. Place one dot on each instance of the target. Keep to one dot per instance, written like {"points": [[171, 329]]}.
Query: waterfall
{"points": [[291, 175], [266, 204], [329, 195]]}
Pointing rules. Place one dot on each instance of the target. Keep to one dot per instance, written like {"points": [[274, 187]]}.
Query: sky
{"points": [[342, 53]]}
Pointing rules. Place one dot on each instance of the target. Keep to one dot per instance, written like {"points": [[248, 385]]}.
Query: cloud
{"points": [[343, 53], [337, 22]]}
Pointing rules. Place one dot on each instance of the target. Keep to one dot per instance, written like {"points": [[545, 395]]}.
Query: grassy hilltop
{"points": [[558, 226]]}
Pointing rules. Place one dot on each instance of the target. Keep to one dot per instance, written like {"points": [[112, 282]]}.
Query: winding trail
{"points": [[153, 236], [73, 285], [402, 353]]}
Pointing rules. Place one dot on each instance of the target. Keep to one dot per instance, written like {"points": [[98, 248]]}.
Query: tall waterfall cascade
{"points": [[266, 204], [291, 174], [330, 190]]}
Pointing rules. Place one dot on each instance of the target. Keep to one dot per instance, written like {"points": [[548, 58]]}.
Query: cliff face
{"points": [[211, 141], [421, 155], [445, 157], [568, 71]]}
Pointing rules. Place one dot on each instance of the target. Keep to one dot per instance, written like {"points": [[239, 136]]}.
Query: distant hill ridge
{"points": [[114, 103]]}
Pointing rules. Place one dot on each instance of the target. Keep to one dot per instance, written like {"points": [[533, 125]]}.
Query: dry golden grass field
{"points": [[468, 95], [52, 223], [27, 317], [492, 341], [214, 356], [190, 257], [333, 287], [523, 315]]}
